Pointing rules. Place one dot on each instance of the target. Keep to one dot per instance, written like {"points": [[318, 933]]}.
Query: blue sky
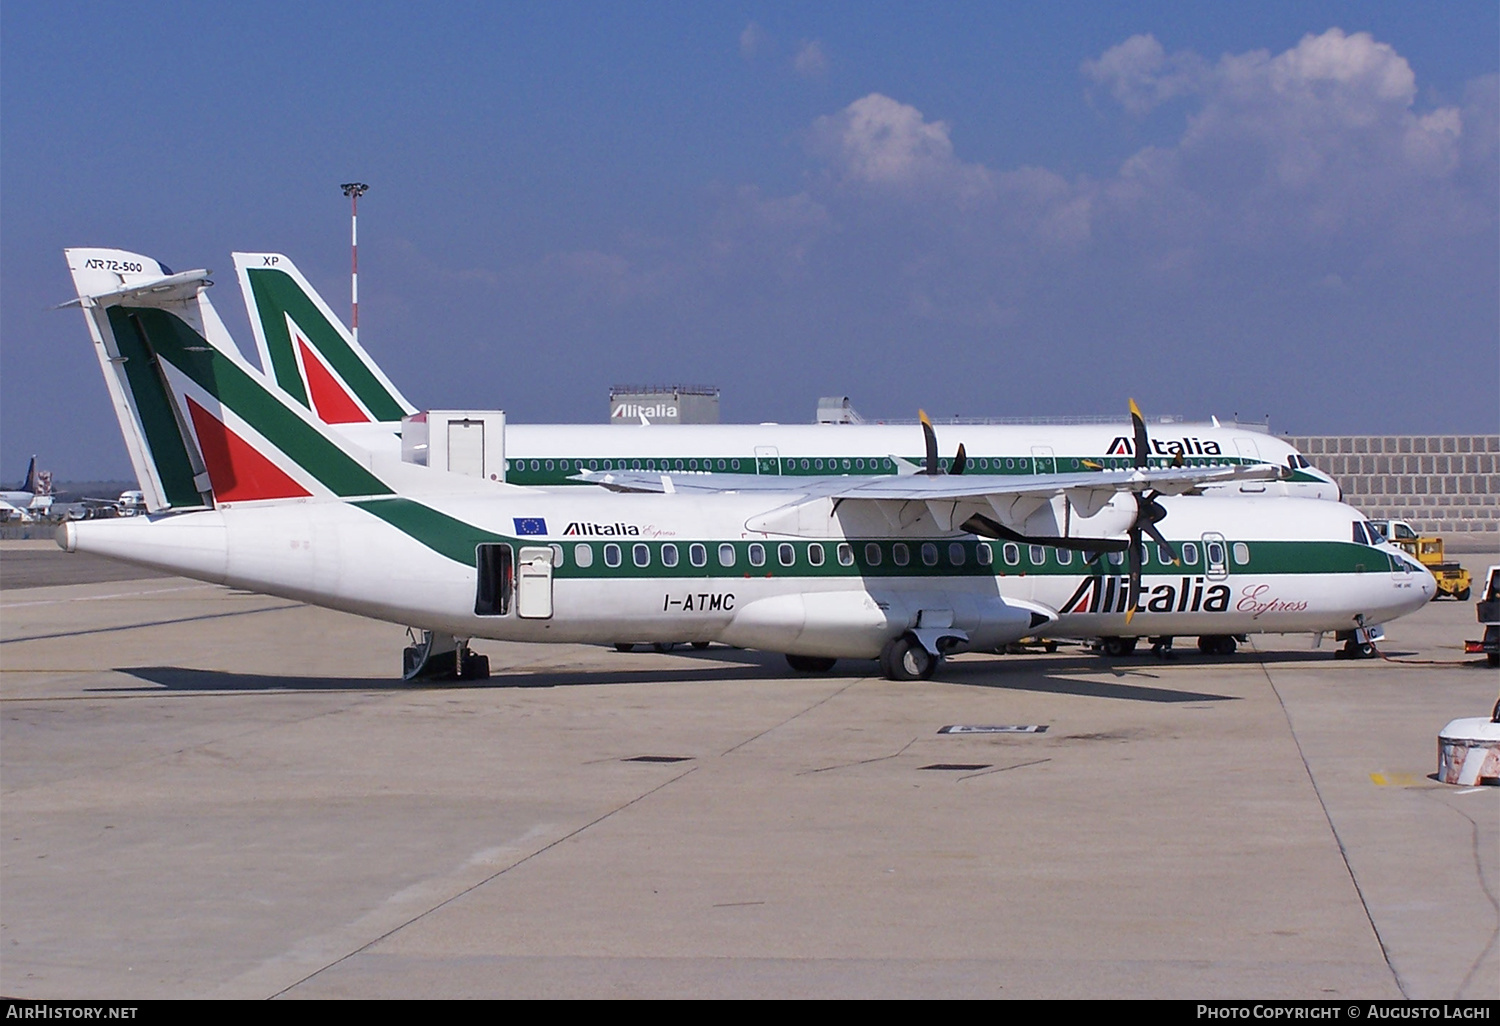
{"points": [[1272, 209]]}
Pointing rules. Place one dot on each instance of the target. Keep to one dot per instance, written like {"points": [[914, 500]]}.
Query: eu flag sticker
{"points": [[530, 525]]}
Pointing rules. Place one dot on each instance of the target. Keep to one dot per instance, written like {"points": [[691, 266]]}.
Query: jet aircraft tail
{"points": [[306, 349], [203, 427], [28, 483]]}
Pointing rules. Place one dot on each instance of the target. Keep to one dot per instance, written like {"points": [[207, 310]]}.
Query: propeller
{"points": [[934, 466], [1148, 513]]}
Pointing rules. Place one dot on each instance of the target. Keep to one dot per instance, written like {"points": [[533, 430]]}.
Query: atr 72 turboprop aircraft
{"points": [[247, 488], [306, 349]]}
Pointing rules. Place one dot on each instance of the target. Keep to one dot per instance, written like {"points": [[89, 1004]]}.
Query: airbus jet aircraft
{"points": [[309, 353], [250, 490]]}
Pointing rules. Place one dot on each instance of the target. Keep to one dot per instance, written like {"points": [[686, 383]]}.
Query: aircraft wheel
{"points": [[700, 645], [1217, 644], [624, 646], [1116, 648], [664, 646], [904, 658], [1355, 650], [810, 664]]}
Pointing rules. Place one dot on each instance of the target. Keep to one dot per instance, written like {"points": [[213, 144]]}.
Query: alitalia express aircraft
{"points": [[309, 353], [248, 488]]}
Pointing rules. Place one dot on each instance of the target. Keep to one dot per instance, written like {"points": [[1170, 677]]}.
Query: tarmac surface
{"points": [[207, 793]]}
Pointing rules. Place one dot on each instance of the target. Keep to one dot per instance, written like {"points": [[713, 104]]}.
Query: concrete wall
{"points": [[1442, 484]]}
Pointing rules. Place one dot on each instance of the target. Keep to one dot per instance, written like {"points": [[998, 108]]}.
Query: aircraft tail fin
{"points": [[202, 426], [28, 483], [306, 349]]}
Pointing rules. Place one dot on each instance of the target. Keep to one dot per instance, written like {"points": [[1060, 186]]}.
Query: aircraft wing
{"points": [[924, 487]]}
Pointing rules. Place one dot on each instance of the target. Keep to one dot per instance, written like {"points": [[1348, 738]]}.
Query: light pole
{"points": [[354, 190]]}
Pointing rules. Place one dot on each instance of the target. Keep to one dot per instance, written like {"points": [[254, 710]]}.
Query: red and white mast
{"points": [[354, 190]]}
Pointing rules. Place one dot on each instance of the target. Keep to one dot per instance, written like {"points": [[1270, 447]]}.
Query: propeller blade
{"points": [[1142, 443], [1136, 556], [1156, 536], [982, 525], [934, 468], [960, 460]]}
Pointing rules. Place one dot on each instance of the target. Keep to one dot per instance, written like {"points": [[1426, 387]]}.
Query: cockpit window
{"points": [[1376, 534]]}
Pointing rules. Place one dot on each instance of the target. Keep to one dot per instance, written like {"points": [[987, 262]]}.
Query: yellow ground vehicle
{"points": [[1452, 579]]}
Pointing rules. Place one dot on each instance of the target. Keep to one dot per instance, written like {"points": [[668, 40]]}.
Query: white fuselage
{"points": [[832, 588]]}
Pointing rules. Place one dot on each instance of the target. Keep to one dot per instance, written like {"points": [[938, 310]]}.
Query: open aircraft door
{"points": [[767, 459], [534, 582]]}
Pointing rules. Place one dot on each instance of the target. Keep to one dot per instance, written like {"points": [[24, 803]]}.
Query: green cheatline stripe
{"points": [[531, 471], [177, 343], [445, 535], [154, 407], [276, 295], [456, 540]]}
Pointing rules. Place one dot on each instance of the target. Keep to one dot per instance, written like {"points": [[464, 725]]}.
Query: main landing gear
{"points": [[443, 657], [1217, 644], [905, 658]]}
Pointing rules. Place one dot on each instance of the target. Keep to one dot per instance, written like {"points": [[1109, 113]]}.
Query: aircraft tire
{"points": [[664, 646], [1116, 647], [624, 646], [700, 645], [1217, 644], [810, 664], [905, 659]]}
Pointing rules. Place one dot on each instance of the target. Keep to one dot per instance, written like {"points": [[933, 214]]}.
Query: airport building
{"points": [[1441, 484], [664, 404]]}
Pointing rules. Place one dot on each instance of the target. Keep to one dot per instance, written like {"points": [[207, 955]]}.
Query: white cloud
{"points": [[810, 61], [1140, 75], [752, 39], [878, 141]]}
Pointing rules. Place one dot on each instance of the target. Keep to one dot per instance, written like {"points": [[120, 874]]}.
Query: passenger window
{"points": [[1189, 554], [872, 553], [929, 554], [583, 555], [1038, 555], [726, 554], [1241, 553], [900, 553], [697, 554], [786, 554], [757, 554], [846, 554], [1064, 557], [984, 553], [1164, 555], [1011, 551], [1215, 552], [956, 554], [815, 554], [641, 553], [611, 554], [669, 555]]}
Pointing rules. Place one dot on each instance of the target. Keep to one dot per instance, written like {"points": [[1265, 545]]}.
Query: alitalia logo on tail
{"points": [[1123, 446]]}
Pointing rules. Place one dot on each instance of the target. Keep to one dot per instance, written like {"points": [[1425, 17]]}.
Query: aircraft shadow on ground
{"points": [[1140, 678]]}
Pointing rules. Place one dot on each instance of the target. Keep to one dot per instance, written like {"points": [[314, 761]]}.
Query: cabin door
{"points": [[767, 459], [534, 582]]}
